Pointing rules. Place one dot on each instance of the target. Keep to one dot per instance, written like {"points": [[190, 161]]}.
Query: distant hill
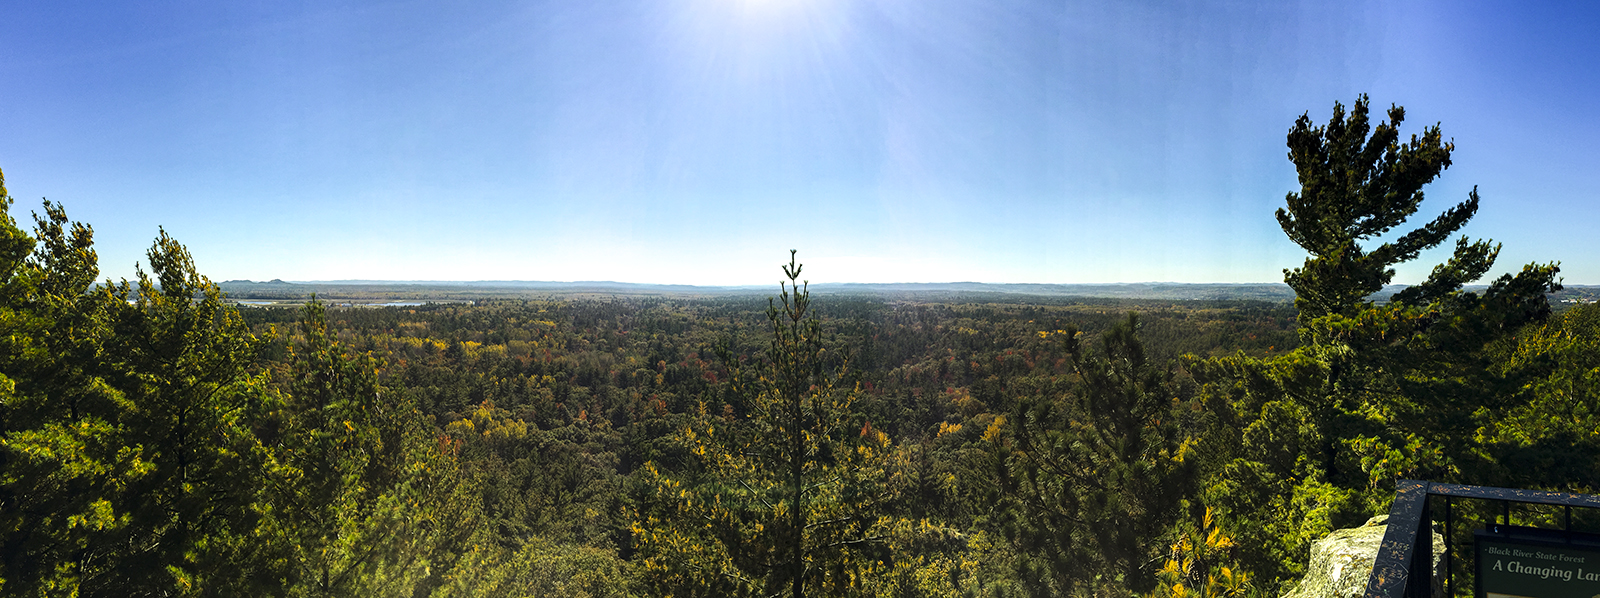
{"points": [[1138, 290], [273, 289], [457, 290], [279, 289]]}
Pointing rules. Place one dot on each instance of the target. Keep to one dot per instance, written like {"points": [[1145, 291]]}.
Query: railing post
{"points": [[1419, 580], [1396, 559], [1449, 547]]}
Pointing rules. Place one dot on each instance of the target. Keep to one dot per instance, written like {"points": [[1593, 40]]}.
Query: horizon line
{"points": [[495, 281], [363, 281]]}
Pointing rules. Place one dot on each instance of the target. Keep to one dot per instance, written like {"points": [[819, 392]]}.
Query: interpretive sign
{"points": [[1536, 563]]}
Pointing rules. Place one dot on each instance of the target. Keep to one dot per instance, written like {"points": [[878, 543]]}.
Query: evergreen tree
{"points": [[1353, 189], [1422, 364], [1098, 469], [62, 462], [1548, 435], [143, 453], [127, 465], [1312, 440], [362, 498], [788, 497], [180, 358]]}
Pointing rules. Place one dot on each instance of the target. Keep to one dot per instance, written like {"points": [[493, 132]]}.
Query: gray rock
{"points": [[1341, 562]]}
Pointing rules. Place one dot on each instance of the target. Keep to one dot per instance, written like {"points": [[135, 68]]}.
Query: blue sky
{"points": [[696, 141]]}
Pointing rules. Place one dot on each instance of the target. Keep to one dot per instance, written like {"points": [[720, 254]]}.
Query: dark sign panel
{"points": [[1534, 563]]}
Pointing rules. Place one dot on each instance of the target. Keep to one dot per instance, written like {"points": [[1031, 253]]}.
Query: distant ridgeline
{"points": [[384, 289]]}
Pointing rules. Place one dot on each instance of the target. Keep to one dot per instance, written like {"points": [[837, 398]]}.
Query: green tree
{"points": [[1548, 436], [1419, 369], [789, 497], [128, 465], [1268, 448], [144, 452], [1353, 189], [363, 497], [327, 462], [541, 568], [1313, 439], [61, 459], [181, 359], [541, 483], [552, 503], [1098, 469]]}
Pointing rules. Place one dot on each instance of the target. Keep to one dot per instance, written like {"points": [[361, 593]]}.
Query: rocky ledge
{"points": [[1341, 562]]}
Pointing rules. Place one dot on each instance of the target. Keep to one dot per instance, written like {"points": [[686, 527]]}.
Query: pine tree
{"points": [[143, 452], [1420, 363], [789, 497], [1353, 189], [361, 496], [182, 360], [127, 463], [61, 457], [1312, 440], [1098, 469]]}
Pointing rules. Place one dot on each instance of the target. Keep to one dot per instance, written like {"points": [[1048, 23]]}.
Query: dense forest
{"points": [[156, 439]]}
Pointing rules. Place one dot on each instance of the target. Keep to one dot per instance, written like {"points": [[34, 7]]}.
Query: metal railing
{"points": [[1401, 558]]}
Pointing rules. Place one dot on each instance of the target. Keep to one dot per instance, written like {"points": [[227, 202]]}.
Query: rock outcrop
{"points": [[1341, 562]]}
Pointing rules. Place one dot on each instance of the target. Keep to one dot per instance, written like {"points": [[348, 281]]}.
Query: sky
{"points": [[697, 141]]}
